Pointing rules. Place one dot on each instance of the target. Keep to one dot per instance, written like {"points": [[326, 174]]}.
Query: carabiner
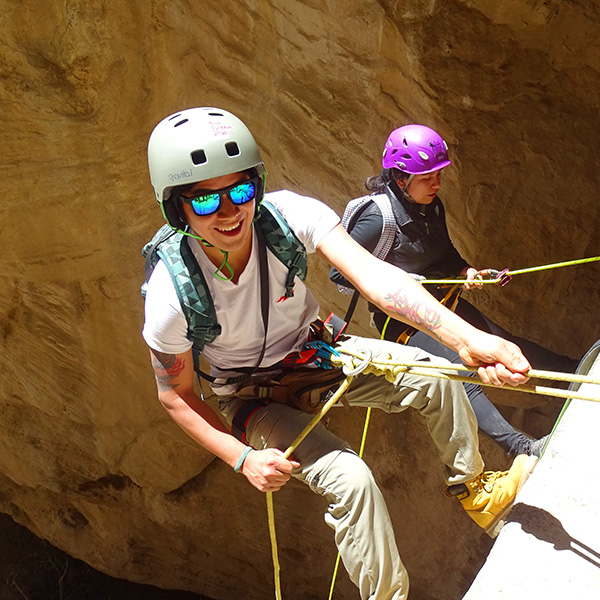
{"points": [[361, 367]]}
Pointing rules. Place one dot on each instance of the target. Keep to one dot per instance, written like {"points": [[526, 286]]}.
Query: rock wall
{"points": [[89, 460]]}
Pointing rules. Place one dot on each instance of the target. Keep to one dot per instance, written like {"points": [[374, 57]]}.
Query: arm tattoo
{"points": [[166, 368], [418, 312]]}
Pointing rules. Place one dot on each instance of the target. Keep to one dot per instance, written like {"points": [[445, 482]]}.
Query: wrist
{"points": [[242, 459]]}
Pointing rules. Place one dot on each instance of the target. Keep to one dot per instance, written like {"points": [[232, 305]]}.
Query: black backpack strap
{"points": [[352, 306]]}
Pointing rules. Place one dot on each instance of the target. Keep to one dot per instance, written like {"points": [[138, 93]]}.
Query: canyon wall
{"points": [[89, 460]]}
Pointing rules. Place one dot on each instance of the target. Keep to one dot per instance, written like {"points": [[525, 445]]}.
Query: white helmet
{"points": [[197, 144]]}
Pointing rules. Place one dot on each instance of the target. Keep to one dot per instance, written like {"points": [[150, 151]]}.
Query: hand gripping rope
{"points": [[390, 369], [504, 276], [354, 363]]}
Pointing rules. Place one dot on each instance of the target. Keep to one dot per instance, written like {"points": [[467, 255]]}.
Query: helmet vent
{"points": [[175, 116], [232, 149], [215, 114], [198, 157], [180, 122]]}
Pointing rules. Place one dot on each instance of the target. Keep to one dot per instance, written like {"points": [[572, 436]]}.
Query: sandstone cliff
{"points": [[89, 460]]}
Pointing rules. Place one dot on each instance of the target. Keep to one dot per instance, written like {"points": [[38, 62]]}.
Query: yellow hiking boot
{"points": [[489, 497]]}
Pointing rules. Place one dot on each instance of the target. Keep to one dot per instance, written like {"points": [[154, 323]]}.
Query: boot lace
{"points": [[486, 480]]}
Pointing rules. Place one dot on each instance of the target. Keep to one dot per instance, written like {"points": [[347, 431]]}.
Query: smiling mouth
{"points": [[231, 230]]}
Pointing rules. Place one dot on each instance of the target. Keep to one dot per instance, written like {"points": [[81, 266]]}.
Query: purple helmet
{"points": [[415, 149]]}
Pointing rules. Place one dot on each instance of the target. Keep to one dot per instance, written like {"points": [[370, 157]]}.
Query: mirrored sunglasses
{"points": [[210, 202]]}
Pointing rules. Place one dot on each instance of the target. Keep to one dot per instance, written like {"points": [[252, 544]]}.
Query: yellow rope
{"points": [[274, 553], [390, 370], [360, 454], [568, 263], [270, 510]]}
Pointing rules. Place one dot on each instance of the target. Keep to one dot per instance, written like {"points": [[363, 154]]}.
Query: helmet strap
{"points": [[225, 254], [225, 263], [399, 191], [404, 190]]}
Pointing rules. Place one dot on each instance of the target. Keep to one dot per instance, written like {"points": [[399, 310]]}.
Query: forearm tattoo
{"points": [[167, 367], [418, 312]]}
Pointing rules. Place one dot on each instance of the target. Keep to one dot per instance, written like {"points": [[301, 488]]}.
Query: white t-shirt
{"points": [[238, 305]]}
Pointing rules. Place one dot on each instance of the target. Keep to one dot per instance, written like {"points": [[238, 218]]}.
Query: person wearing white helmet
{"points": [[208, 178], [413, 159]]}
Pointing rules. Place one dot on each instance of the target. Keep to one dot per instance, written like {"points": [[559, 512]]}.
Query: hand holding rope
{"points": [[504, 276]]}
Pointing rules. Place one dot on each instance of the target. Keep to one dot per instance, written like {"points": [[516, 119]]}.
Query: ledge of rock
{"points": [[550, 545]]}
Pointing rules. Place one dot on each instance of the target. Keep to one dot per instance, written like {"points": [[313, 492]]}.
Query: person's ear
{"points": [[174, 211], [401, 182]]}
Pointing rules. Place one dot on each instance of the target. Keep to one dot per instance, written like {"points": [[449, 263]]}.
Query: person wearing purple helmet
{"points": [[413, 159]]}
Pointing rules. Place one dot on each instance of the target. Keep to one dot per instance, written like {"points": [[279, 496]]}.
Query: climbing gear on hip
{"points": [[306, 381], [306, 389]]}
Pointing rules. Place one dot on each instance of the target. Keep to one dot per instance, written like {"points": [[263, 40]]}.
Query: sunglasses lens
{"points": [[240, 194], [206, 204]]}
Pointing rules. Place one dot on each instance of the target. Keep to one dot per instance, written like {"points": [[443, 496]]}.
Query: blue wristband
{"points": [[242, 458]]}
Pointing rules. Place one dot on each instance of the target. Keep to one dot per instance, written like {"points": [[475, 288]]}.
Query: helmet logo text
{"points": [[183, 174]]}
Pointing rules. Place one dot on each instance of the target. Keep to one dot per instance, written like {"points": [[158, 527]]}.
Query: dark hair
{"points": [[377, 183]]}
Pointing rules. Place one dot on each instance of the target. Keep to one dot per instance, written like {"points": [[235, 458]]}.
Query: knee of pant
{"points": [[350, 478]]}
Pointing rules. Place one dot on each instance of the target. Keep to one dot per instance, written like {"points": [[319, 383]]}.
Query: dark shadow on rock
{"points": [[547, 528], [32, 569]]}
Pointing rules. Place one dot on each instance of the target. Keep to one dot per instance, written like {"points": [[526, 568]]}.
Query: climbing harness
{"points": [[504, 276]]}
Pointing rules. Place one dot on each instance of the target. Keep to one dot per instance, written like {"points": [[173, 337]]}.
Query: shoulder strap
{"points": [[354, 209], [150, 255], [388, 229], [190, 285], [283, 243]]}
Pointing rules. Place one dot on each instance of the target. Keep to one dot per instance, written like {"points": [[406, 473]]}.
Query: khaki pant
{"points": [[357, 511]]}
